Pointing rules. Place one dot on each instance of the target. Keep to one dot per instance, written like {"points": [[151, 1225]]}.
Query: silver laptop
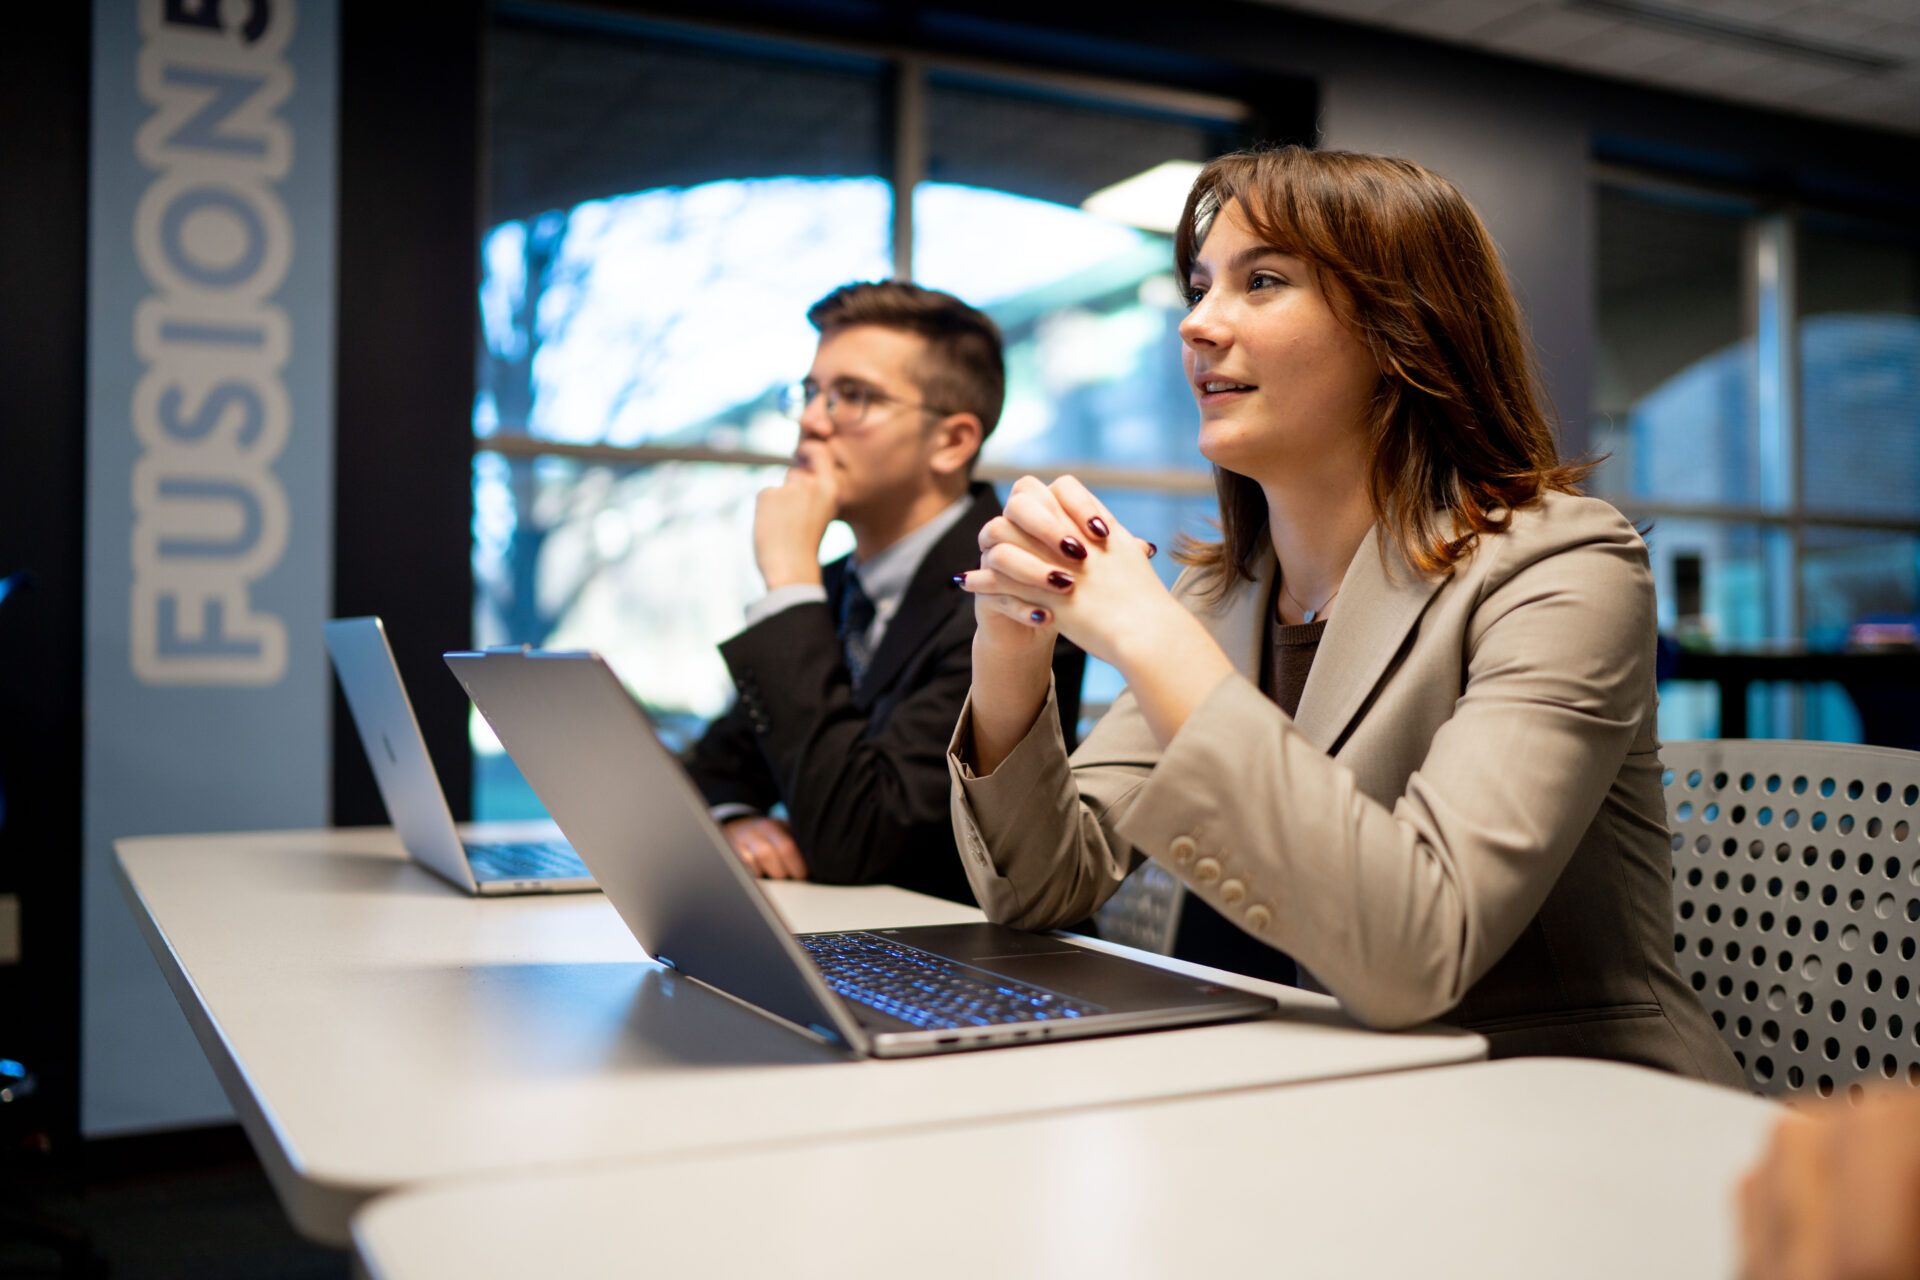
{"points": [[593, 757], [490, 859]]}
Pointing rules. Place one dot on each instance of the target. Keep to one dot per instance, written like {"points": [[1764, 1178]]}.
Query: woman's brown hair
{"points": [[1459, 439]]}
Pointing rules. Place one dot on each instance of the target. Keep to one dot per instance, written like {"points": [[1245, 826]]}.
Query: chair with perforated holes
{"points": [[1796, 900]]}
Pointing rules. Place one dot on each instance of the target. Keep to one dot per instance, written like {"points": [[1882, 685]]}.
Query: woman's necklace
{"points": [[1308, 615]]}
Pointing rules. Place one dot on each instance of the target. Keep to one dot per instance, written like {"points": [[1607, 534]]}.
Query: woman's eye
{"points": [[1192, 294], [1264, 280]]}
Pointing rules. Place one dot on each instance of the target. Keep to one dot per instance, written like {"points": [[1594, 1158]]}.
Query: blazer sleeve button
{"points": [[1182, 849], [1206, 871], [1232, 892], [1258, 918]]}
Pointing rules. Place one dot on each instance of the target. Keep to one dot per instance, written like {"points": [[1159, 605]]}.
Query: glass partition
{"points": [[1759, 387], [1860, 370], [1674, 382]]}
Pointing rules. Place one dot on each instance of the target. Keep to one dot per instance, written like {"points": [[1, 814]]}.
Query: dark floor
{"points": [[193, 1206]]}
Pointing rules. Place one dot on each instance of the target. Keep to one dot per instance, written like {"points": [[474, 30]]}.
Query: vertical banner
{"points": [[210, 479]]}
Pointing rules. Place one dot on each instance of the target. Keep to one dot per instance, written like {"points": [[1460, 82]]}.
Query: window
{"points": [[1758, 391], [1859, 348], [664, 204]]}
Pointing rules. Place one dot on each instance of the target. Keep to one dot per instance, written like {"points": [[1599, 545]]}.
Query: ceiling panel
{"points": [[1856, 61]]}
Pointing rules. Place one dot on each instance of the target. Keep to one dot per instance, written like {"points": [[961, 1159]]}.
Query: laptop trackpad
{"points": [[1056, 970], [985, 945], [1055, 964]]}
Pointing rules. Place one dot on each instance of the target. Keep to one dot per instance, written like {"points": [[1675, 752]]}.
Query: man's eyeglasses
{"points": [[846, 403]]}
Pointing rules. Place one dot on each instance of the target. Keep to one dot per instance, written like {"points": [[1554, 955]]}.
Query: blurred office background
{"points": [[663, 199], [576, 242]]}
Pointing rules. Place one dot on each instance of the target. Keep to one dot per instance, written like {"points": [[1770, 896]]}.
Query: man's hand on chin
{"points": [[790, 518]]}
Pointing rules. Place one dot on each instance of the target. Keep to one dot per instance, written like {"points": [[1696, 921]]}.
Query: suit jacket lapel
{"points": [[1378, 607], [931, 599]]}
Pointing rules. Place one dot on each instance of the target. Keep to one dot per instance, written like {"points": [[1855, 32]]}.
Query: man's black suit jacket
{"points": [[863, 771]]}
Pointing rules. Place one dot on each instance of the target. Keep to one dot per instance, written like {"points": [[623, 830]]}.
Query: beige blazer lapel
{"points": [[1378, 606], [1377, 609]]}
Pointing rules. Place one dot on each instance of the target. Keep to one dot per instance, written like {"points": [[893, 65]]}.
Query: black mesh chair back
{"points": [[1796, 898]]}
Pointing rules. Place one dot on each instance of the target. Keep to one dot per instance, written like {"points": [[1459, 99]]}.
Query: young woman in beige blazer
{"points": [[1461, 818]]}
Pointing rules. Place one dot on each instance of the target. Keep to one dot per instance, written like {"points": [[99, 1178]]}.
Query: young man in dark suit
{"points": [[851, 675]]}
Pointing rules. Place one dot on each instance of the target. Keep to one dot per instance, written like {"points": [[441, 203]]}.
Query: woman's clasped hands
{"points": [[1057, 560]]}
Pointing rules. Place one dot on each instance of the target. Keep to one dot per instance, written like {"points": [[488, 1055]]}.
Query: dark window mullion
{"points": [[905, 117]]}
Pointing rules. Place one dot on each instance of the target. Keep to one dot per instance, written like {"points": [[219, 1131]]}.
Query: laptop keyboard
{"points": [[530, 860], [928, 991]]}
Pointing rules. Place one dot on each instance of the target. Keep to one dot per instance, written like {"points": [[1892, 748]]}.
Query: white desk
{"points": [[1529, 1168], [375, 1028]]}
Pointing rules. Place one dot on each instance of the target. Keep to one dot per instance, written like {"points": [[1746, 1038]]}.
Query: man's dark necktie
{"points": [[856, 619]]}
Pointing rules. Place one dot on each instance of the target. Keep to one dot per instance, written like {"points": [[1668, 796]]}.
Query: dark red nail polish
{"points": [[1152, 551], [1098, 527], [1073, 548], [1059, 579], [1039, 616], [959, 579]]}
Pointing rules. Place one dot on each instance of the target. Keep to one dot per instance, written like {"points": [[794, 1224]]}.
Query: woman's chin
{"points": [[1227, 450]]}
